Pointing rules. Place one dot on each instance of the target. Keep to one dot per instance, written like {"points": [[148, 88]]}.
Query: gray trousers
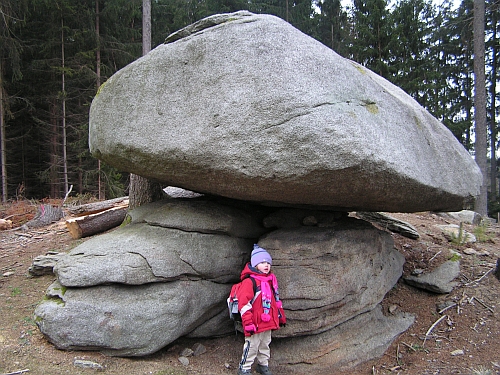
{"points": [[256, 346]]}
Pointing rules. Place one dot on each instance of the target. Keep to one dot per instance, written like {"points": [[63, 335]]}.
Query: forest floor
{"points": [[465, 341]]}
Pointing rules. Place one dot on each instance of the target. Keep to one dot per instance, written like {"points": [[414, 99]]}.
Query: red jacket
{"points": [[253, 313]]}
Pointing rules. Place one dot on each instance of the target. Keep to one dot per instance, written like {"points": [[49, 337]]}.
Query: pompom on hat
{"points": [[259, 255]]}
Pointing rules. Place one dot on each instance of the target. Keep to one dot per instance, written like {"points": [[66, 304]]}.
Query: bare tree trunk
{"points": [[3, 153], [80, 176], [146, 26], [64, 140], [468, 97], [481, 205], [100, 185], [54, 143], [332, 36], [141, 189], [493, 93]]}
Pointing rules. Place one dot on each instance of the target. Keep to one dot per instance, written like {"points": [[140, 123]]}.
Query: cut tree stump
{"points": [[84, 226], [46, 214]]}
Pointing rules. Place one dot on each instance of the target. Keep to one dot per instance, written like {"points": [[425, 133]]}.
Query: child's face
{"points": [[264, 267]]}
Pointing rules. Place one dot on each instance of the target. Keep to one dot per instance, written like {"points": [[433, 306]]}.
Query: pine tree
{"points": [[493, 27], [332, 26], [10, 51], [372, 34], [459, 72], [440, 63], [143, 190], [410, 46], [480, 145]]}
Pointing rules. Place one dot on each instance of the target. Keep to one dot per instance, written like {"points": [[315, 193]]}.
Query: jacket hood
{"points": [[249, 270]]}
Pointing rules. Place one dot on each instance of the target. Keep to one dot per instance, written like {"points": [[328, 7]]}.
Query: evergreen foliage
{"points": [[372, 35], [410, 51], [425, 49], [332, 26]]}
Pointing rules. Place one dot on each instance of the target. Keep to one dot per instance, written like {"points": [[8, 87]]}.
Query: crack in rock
{"points": [[207, 23]]}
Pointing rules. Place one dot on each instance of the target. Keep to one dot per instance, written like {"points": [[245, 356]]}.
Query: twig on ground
{"points": [[465, 277], [446, 308], [17, 372], [435, 255], [409, 346], [484, 305], [482, 277], [460, 302], [443, 337], [432, 327]]}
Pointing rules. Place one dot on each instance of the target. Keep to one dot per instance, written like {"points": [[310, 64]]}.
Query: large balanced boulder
{"points": [[248, 107]]}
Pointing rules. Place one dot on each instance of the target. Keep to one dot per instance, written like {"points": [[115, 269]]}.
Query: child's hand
{"points": [[250, 329], [282, 317]]}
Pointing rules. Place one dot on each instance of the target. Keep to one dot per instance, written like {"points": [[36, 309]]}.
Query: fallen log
{"points": [[92, 208], [5, 224], [390, 223], [84, 226]]}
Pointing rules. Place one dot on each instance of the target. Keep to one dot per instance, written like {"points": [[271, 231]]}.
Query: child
{"points": [[263, 315]]}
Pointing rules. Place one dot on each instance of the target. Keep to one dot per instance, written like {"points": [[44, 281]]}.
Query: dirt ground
{"points": [[465, 341]]}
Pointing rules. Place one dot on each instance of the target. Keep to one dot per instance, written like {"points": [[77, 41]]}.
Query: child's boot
{"points": [[244, 372], [264, 370]]}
